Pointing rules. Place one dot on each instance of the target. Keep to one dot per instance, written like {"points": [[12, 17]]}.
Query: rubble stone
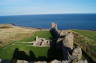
{"points": [[55, 61], [22, 61], [40, 62], [77, 53]]}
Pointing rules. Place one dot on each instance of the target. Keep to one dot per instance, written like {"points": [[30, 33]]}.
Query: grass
{"points": [[87, 33], [7, 51], [87, 40], [90, 35], [42, 34], [8, 35]]}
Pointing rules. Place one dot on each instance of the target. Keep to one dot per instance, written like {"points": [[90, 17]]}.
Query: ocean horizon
{"points": [[64, 21]]}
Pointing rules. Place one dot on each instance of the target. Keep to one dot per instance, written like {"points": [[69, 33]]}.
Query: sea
{"points": [[64, 21]]}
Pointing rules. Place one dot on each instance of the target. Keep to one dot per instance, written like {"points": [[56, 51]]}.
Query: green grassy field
{"points": [[7, 51], [88, 33]]}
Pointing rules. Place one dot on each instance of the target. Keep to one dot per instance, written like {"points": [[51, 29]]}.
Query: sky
{"points": [[26, 7]]}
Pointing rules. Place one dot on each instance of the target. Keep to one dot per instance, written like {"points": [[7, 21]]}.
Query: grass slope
{"points": [[87, 40], [12, 33], [88, 33]]}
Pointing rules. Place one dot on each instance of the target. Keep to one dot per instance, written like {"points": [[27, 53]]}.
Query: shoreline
{"points": [[29, 27]]}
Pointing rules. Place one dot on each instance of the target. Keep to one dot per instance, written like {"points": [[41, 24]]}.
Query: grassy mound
{"points": [[8, 51]]}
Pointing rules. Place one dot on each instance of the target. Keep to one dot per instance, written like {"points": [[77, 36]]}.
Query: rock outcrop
{"points": [[77, 52], [68, 42]]}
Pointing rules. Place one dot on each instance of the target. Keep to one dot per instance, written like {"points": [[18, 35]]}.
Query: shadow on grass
{"points": [[21, 55]]}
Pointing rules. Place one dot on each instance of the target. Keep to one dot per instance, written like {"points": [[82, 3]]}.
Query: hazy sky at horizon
{"points": [[23, 7]]}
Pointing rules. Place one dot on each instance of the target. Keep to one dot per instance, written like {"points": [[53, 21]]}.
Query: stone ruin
{"points": [[41, 42]]}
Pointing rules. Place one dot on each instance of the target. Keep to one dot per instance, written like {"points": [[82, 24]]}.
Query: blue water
{"points": [[64, 21]]}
